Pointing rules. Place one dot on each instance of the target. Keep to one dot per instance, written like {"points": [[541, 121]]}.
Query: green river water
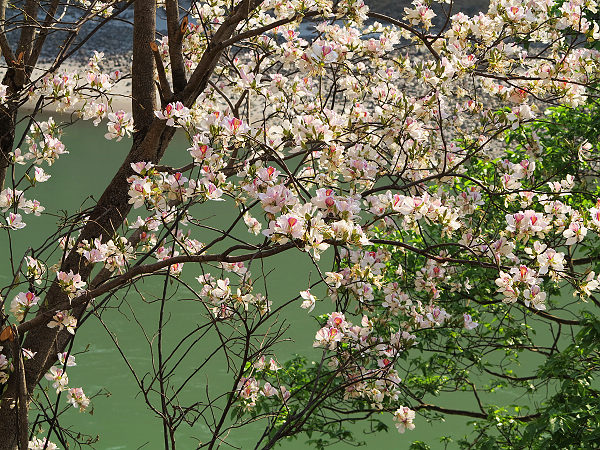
{"points": [[122, 419]]}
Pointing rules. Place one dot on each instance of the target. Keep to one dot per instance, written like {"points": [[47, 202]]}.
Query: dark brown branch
{"points": [[28, 32], [114, 283], [260, 30], [510, 377], [175, 170], [199, 79], [408, 28], [546, 315], [585, 260], [41, 38], [175, 33], [21, 403], [475, 415], [165, 90], [143, 92], [9, 56], [425, 252]]}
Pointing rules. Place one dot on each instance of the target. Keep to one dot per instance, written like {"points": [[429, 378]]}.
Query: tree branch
{"points": [[143, 92]]}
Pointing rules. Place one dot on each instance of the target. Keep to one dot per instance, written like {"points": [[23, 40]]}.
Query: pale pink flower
{"points": [[273, 365], [234, 126], [334, 279], [328, 337], [23, 303], [249, 390], [27, 355], [15, 221], [174, 113], [595, 216], [523, 274], [283, 394], [268, 390], [70, 361], [142, 167], [254, 226], [551, 258], [32, 206], [323, 52], [535, 297], [309, 300], [284, 227], [41, 444], [3, 360], [260, 364], [469, 324], [40, 175], [337, 320], [421, 14], [59, 378], [71, 283], [63, 319], [77, 398], [200, 151], [404, 417], [3, 89], [277, 198], [120, 125], [575, 232]]}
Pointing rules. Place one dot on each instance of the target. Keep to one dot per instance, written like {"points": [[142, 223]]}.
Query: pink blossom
{"points": [[15, 221], [469, 324], [63, 319], [59, 378], [41, 444], [77, 398], [120, 125], [22, 303], [309, 300], [328, 337], [404, 417]]}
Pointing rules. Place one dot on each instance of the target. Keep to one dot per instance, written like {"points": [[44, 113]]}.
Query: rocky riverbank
{"points": [[114, 38]]}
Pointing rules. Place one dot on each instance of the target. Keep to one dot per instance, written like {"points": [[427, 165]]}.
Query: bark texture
{"points": [[8, 118], [143, 90]]}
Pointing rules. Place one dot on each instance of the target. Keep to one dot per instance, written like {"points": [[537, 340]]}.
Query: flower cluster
{"points": [[120, 124], [404, 417], [68, 89], [71, 283], [22, 303], [174, 113], [250, 391], [41, 444], [60, 382], [227, 303], [114, 253], [63, 320], [161, 190]]}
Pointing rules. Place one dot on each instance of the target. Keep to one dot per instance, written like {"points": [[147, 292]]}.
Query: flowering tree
{"points": [[417, 158]]}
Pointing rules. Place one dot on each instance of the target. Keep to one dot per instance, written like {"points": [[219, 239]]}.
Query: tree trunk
{"points": [[8, 118], [7, 137], [9, 423], [143, 89]]}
